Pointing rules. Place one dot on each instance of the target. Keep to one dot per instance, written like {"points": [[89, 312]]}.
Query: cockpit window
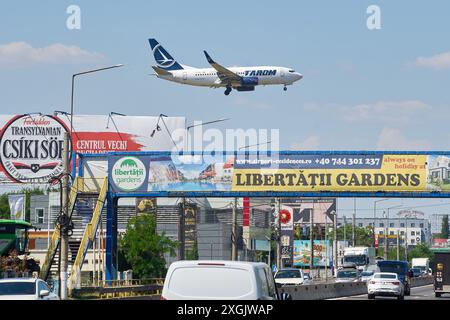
{"points": [[291, 71]]}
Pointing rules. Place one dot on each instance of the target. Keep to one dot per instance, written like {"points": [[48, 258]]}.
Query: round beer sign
{"points": [[31, 148]]}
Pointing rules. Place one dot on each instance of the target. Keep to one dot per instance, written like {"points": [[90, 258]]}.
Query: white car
{"points": [[220, 280], [347, 275], [25, 289], [385, 284], [291, 276]]}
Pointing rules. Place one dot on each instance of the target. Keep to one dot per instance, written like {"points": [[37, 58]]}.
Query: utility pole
{"points": [[374, 218], [345, 231], [335, 245], [234, 248], [406, 238], [398, 244], [311, 240], [354, 223], [278, 208], [326, 248], [181, 232], [386, 235], [64, 241]]}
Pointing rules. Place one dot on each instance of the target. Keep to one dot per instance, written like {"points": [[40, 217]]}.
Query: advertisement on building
{"points": [[440, 243], [31, 145], [294, 173], [302, 253]]}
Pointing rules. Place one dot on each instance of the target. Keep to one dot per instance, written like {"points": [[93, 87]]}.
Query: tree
{"points": [[193, 253], [363, 236], [144, 249], [421, 250], [444, 229]]}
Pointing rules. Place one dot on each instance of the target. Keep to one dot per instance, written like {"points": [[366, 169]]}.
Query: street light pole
{"points": [[354, 223], [374, 218], [197, 125], [64, 241], [335, 255], [234, 248], [386, 237], [73, 86]]}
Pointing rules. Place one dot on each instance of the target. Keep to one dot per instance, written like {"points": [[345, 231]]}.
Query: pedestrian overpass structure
{"points": [[281, 174]]}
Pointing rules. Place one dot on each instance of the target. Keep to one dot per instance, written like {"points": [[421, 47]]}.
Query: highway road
{"points": [[417, 293]]}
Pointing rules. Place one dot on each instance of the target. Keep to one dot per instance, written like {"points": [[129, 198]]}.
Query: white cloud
{"points": [[310, 143], [437, 62], [386, 111], [393, 139], [18, 54]]}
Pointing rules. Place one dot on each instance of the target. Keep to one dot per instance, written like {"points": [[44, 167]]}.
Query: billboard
{"points": [[31, 144], [322, 253], [296, 172]]}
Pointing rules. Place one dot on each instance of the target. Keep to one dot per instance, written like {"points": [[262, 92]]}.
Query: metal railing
{"points": [[88, 236], [121, 289], [77, 187]]}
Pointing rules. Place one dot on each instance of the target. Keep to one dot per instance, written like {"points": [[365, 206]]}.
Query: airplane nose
{"points": [[299, 76]]}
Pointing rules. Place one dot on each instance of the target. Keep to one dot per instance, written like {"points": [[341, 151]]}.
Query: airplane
{"points": [[238, 78]]}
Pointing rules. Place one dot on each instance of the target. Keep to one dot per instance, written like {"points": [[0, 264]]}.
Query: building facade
{"points": [[413, 231]]}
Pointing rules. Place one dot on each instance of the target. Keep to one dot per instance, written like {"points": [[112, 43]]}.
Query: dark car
{"points": [[416, 272], [401, 268]]}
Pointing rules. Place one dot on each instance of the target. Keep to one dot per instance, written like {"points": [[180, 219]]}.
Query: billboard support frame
{"points": [[113, 197]]}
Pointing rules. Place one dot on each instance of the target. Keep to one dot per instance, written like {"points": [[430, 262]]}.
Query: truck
{"points": [[14, 247], [401, 268], [442, 273], [421, 263], [363, 257]]}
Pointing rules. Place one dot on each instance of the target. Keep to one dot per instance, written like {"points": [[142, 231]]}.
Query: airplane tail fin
{"points": [[161, 72], [163, 58]]}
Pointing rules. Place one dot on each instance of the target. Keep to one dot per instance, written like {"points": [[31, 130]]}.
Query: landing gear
{"points": [[285, 88], [227, 91]]}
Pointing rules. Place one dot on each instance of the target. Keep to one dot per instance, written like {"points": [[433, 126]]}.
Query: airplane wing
{"points": [[225, 75]]}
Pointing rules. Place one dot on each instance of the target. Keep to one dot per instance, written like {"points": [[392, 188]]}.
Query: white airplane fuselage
{"points": [[207, 77]]}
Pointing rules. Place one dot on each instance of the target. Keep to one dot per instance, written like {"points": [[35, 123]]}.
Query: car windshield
{"points": [[17, 288], [367, 273], [416, 270], [384, 276], [358, 260], [282, 274], [347, 274]]}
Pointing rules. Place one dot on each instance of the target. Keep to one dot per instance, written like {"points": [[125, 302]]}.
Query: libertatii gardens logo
{"points": [[31, 148], [128, 173]]}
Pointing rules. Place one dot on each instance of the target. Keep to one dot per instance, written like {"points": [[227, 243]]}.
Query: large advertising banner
{"points": [[302, 253], [31, 144], [322, 172], [299, 173]]}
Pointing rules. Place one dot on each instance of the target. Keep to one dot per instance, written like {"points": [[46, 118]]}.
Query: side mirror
{"points": [[285, 296], [44, 293]]}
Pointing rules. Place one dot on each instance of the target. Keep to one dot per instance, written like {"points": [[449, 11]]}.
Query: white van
{"points": [[219, 280]]}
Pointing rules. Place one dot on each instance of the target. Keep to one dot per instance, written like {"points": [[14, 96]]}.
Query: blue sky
{"points": [[362, 89]]}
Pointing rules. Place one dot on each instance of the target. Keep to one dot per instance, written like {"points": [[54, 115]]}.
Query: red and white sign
{"points": [[286, 215], [31, 145], [31, 148]]}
